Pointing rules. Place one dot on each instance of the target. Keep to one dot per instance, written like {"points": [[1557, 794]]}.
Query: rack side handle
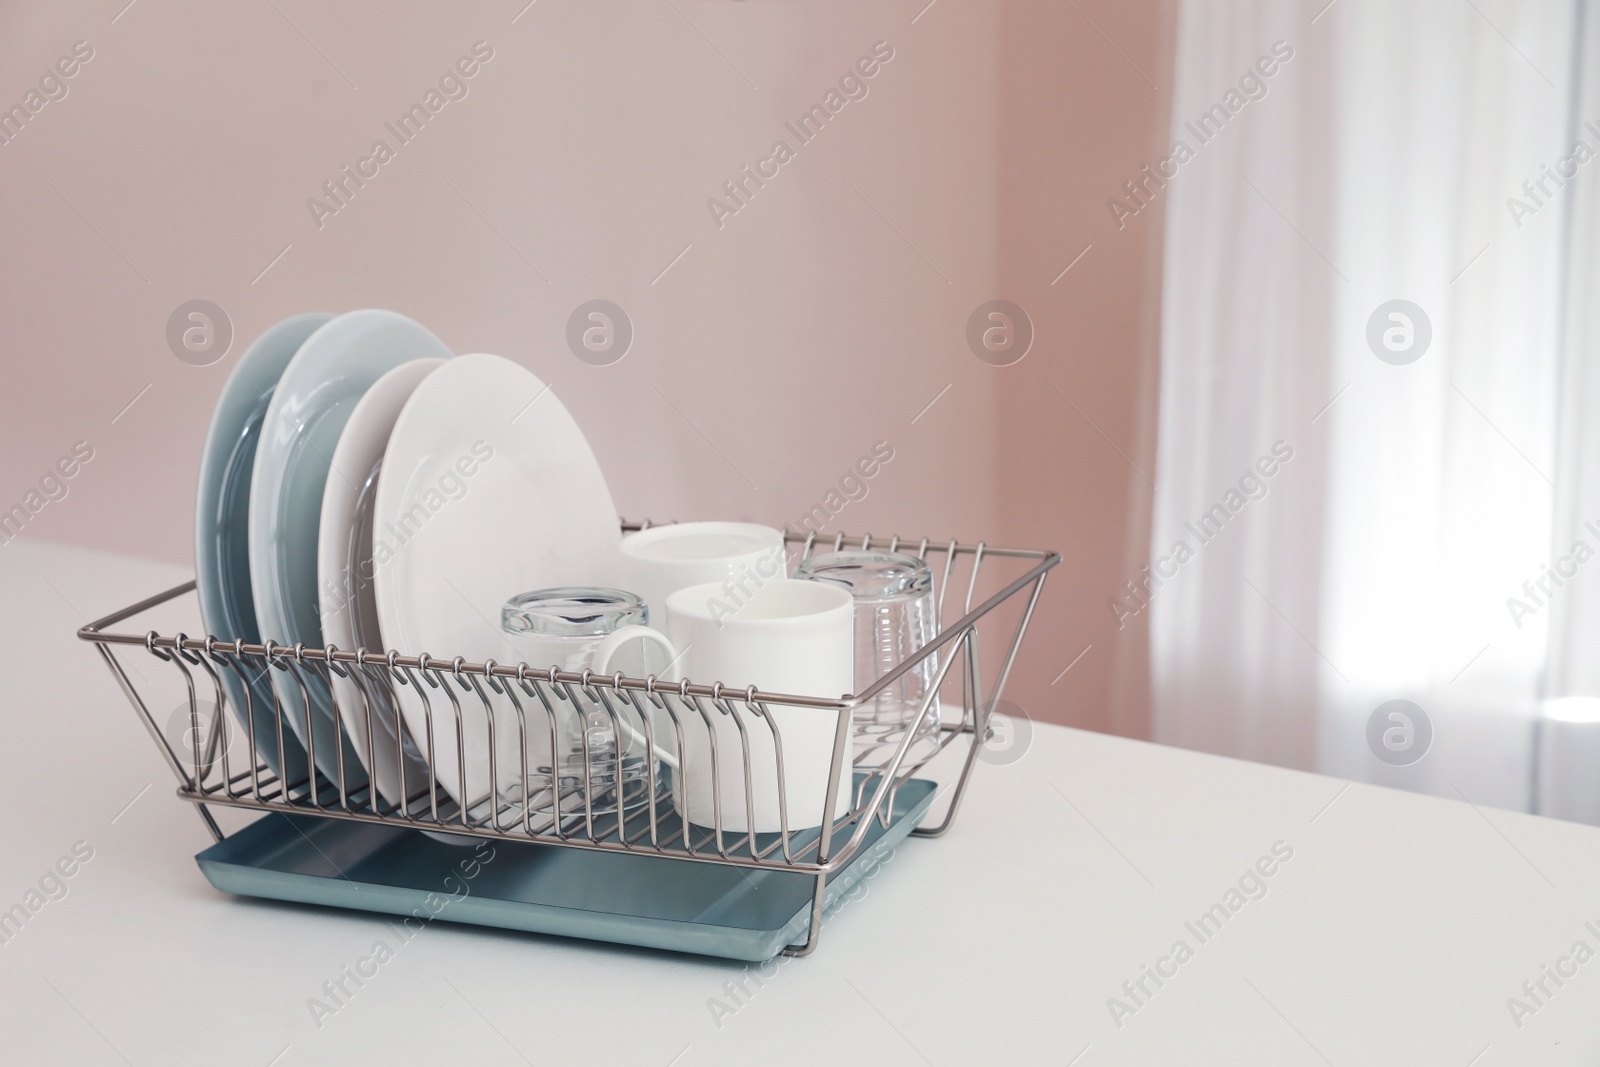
{"points": [[90, 631]]}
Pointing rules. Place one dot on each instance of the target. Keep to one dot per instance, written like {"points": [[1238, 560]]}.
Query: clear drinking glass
{"points": [[566, 628], [895, 616]]}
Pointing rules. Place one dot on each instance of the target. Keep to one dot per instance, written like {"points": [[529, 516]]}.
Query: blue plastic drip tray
{"points": [[653, 901]]}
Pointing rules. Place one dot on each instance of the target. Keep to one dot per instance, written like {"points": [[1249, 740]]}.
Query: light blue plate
{"points": [[603, 896], [313, 401], [222, 519]]}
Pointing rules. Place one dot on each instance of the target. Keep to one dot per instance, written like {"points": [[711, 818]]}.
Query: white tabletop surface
{"points": [[1396, 933]]}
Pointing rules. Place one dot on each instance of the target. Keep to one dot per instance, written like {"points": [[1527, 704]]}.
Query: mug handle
{"points": [[601, 664]]}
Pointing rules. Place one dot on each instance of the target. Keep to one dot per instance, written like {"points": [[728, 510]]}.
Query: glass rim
{"points": [[573, 611], [870, 574]]}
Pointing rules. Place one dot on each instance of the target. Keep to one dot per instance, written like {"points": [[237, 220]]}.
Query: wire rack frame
{"points": [[617, 810]]}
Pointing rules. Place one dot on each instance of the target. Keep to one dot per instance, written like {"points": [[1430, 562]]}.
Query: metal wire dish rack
{"points": [[217, 762]]}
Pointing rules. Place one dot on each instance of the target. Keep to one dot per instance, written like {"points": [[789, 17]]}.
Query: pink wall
{"points": [[824, 316], [1084, 107]]}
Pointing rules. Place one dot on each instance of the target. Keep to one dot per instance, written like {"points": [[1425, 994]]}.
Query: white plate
{"points": [[488, 489], [344, 575], [222, 521], [314, 399]]}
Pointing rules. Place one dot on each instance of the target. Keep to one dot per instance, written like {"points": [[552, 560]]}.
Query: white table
{"points": [[1394, 935]]}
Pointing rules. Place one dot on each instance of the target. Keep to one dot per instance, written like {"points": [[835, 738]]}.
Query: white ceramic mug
{"points": [[739, 556], [789, 637]]}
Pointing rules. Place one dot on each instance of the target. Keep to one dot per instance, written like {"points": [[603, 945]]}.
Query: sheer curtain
{"points": [[1247, 307], [1569, 730], [1427, 484]]}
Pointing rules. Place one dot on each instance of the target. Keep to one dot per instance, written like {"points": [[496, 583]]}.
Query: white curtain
{"points": [[1421, 495], [1568, 758], [1246, 337]]}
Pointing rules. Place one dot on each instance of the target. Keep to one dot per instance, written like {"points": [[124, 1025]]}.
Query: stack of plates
{"points": [[361, 488]]}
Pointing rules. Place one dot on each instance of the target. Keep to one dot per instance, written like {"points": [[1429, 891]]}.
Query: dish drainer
{"points": [[886, 800]]}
